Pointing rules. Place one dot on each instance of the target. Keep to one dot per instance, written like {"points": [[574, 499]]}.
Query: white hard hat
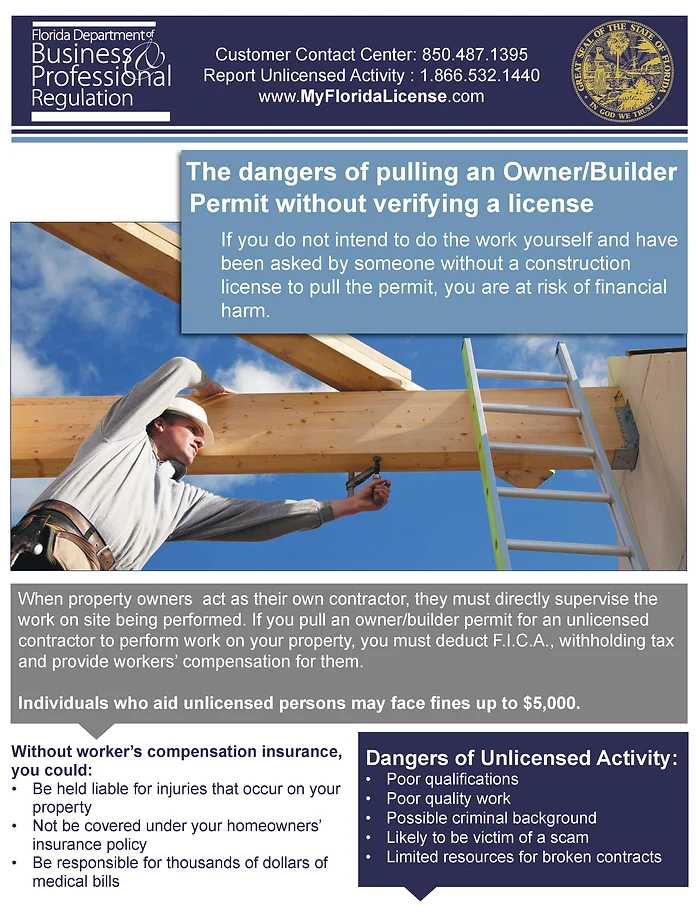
{"points": [[188, 408]]}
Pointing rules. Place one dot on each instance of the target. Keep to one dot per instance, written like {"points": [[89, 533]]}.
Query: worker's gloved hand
{"points": [[210, 390]]}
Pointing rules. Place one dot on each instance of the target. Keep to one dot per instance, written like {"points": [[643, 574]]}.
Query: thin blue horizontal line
{"points": [[223, 138]]}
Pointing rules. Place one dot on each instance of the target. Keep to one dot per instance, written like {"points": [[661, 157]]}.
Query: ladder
{"points": [[628, 545]]}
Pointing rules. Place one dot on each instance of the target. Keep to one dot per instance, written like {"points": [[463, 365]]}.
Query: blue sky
{"points": [[81, 328]]}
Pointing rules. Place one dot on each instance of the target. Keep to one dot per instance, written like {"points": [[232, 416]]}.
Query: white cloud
{"points": [[593, 370], [530, 353], [536, 345], [32, 380], [23, 492], [536, 352], [246, 376], [226, 484], [52, 280]]}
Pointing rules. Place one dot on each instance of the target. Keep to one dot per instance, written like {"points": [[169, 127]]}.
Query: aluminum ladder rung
{"points": [[535, 493], [542, 449], [503, 408], [569, 547], [516, 374]]}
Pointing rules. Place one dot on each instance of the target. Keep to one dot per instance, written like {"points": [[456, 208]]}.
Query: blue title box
{"points": [[434, 242], [522, 809]]}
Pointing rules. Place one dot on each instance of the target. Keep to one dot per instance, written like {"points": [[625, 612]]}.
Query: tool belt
{"points": [[55, 536]]}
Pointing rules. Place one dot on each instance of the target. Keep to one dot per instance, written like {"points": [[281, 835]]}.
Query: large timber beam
{"points": [[152, 255], [339, 360], [147, 252], [331, 431]]}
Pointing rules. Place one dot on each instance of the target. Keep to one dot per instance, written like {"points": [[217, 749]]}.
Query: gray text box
{"points": [[348, 653]]}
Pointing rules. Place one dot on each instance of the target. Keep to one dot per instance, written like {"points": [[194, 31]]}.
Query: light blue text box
{"points": [[439, 221]]}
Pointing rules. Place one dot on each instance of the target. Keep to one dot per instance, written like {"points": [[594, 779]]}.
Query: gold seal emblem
{"points": [[622, 71]]}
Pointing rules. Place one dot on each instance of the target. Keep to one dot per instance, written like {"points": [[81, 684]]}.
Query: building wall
{"points": [[655, 492]]}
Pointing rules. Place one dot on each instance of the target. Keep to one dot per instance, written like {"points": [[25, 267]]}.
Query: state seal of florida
{"points": [[622, 71]]}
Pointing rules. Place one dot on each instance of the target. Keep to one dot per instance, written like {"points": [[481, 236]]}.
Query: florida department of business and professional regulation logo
{"points": [[105, 71], [622, 71]]}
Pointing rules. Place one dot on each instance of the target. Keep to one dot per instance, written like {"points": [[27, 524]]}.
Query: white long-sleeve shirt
{"points": [[137, 502]]}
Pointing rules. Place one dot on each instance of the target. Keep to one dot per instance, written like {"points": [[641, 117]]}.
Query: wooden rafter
{"points": [[336, 360], [153, 258], [152, 255], [331, 431]]}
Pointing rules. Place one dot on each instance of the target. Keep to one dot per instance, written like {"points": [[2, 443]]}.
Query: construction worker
{"points": [[123, 494]]}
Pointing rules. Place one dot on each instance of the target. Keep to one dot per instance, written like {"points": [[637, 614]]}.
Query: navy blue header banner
{"points": [[457, 74]]}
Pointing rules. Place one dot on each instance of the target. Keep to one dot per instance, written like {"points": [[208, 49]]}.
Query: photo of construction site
{"points": [[324, 451]]}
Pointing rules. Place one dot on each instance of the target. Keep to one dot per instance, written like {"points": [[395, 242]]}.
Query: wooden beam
{"points": [[522, 478], [151, 254], [151, 258], [331, 431], [336, 360]]}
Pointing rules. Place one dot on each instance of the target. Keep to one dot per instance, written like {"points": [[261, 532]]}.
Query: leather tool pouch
{"points": [[70, 552], [60, 549]]}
